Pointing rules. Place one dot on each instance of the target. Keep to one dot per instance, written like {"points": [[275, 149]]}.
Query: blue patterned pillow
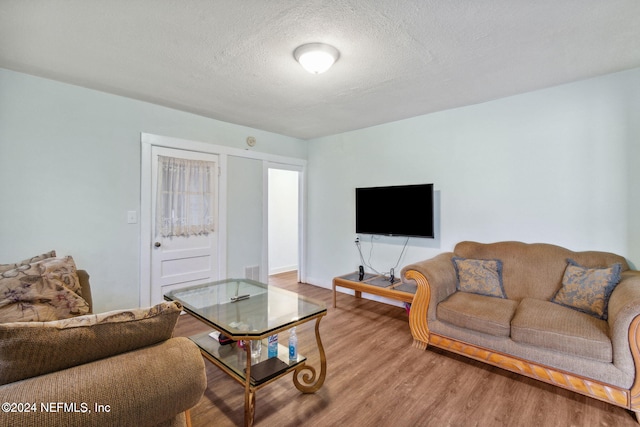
{"points": [[479, 276], [588, 289]]}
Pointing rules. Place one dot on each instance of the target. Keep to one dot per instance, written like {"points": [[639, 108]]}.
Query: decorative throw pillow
{"points": [[7, 267], [63, 269], [479, 276], [42, 291], [588, 289], [29, 349]]}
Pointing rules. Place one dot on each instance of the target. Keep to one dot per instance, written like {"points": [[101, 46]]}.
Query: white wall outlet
{"points": [[132, 217]]}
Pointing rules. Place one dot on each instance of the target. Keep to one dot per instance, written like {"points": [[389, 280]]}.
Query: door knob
{"points": [[157, 244]]}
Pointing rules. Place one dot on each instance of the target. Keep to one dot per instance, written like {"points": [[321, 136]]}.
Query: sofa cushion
{"points": [[29, 349], [41, 291], [551, 326], [479, 276], [478, 312], [588, 289], [6, 267]]}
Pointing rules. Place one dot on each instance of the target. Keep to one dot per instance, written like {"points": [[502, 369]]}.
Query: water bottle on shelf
{"points": [[293, 345], [256, 348], [272, 345]]}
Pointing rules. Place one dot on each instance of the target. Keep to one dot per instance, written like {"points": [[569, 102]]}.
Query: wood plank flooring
{"points": [[375, 378]]}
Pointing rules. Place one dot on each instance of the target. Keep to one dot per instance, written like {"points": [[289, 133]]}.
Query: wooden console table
{"points": [[375, 285]]}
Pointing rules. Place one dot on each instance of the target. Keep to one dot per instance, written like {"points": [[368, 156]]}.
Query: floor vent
{"points": [[252, 272]]}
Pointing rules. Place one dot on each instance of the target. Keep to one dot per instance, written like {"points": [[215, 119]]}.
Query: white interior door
{"points": [[179, 261]]}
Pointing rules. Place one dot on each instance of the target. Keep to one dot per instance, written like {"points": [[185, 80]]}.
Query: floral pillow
{"points": [[7, 267], [479, 276], [588, 289], [41, 291]]}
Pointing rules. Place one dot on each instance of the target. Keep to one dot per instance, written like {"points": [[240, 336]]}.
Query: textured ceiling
{"points": [[232, 60]]}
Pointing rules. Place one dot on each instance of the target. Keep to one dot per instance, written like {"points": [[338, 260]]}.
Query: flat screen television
{"points": [[402, 210]]}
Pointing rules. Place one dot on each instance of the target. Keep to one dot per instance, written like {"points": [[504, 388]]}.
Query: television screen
{"points": [[403, 210]]}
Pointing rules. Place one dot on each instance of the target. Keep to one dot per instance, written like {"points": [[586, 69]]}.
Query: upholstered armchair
{"points": [[119, 368]]}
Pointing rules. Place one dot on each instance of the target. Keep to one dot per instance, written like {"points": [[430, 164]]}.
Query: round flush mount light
{"points": [[316, 58]]}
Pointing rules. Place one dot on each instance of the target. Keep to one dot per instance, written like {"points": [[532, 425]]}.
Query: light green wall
{"points": [[70, 171], [632, 127], [558, 165], [244, 226]]}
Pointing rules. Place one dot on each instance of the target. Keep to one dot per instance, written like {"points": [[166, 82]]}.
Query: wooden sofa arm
{"points": [[624, 323], [418, 315], [436, 280], [144, 387]]}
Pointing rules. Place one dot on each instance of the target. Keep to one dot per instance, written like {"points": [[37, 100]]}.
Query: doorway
{"points": [[243, 179], [284, 219]]}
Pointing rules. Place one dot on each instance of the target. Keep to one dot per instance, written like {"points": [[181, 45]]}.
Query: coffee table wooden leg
{"points": [[334, 294], [249, 393], [308, 373], [249, 407]]}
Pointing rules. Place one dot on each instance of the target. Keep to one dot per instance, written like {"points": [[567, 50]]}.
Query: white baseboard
{"points": [[279, 270]]}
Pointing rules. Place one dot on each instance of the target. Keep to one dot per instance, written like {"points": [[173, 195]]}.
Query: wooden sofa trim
{"points": [[546, 374], [634, 343], [629, 399]]}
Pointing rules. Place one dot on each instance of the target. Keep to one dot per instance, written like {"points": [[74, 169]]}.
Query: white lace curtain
{"points": [[185, 197]]}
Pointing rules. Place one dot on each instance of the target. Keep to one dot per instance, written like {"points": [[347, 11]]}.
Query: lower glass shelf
{"points": [[235, 358]]}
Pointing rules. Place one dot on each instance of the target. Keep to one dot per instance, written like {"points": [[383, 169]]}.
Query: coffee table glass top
{"points": [[244, 307]]}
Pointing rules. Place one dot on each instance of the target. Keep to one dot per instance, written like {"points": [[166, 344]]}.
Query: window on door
{"points": [[185, 197]]}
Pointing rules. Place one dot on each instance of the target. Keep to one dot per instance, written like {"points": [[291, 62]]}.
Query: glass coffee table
{"points": [[247, 311]]}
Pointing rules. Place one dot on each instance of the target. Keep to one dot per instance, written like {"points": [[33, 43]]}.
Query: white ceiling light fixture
{"points": [[316, 58]]}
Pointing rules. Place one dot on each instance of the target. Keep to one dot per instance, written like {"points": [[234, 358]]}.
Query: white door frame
{"points": [[301, 214], [146, 236]]}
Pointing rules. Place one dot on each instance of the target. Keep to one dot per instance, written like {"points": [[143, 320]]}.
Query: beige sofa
{"points": [[120, 368], [549, 324]]}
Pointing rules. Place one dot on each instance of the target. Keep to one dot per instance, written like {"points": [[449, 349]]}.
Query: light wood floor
{"points": [[375, 378]]}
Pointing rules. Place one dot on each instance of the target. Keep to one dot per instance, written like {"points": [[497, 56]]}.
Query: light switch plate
{"points": [[132, 217]]}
